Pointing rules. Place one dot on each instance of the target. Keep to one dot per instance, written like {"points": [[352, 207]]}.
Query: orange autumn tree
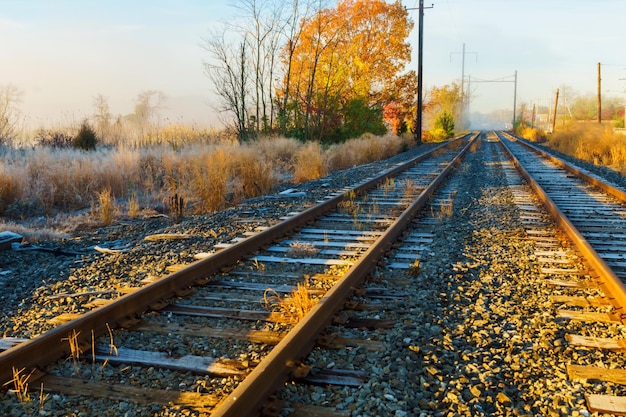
{"points": [[343, 68], [400, 109]]}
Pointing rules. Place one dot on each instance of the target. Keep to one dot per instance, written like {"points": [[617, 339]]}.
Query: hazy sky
{"points": [[62, 53]]}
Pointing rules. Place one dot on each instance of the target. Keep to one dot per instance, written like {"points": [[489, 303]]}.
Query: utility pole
{"points": [[418, 127], [556, 103], [624, 79], [599, 95], [463, 71], [514, 100]]}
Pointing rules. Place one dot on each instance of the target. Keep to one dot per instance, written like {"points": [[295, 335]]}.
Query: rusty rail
{"points": [[611, 284]]}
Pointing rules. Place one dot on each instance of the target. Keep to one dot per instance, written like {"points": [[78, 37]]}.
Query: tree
{"points": [[86, 139], [229, 73], [147, 106], [102, 116], [10, 98], [441, 105], [399, 100], [444, 126], [352, 52]]}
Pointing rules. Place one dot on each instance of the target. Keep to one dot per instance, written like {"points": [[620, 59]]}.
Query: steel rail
{"points": [[610, 283], [614, 191], [53, 345], [248, 398]]}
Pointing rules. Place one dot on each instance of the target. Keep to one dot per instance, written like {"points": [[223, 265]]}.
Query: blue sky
{"points": [[62, 53]]}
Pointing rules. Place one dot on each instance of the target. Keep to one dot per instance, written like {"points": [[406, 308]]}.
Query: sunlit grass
{"points": [[207, 174], [592, 142]]}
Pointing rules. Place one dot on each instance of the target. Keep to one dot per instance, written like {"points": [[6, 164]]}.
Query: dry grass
{"points": [[208, 173], [133, 206], [20, 387], [34, 231], [367, 148], [302, 249], [309, 163], [75, 350], [295, 306], [446, 209], [591, 142], [532, 134], [105, 211]]}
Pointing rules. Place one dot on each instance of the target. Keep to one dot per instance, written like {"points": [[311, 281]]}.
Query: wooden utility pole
{"points": [[514, 100], [599, 95], [418, 121], [418, 132], [556, 103]]}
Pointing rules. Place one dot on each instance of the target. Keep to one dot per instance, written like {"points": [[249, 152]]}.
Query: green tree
{"points": [[443, 127], [86, 138]]}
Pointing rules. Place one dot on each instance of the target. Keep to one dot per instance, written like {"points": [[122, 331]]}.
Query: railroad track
{"points": [[350, 239], [591, 213], [486, 305]]}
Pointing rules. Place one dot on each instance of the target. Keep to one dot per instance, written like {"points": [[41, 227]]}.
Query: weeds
{"points": [[106, 207], [597, 144], [258, 265], [20, 387], [388, 185], [409, 189], [295, 306], [112, 349], [309, 163], [133, 206], [20, 384], [415, 268], [447, 206], [75, 350]]}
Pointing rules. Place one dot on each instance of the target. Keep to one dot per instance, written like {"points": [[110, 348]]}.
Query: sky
{"points": [[63, 53]]}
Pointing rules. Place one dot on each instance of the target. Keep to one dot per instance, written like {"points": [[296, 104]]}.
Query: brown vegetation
{"points": [[207, 177], [596, 143]]}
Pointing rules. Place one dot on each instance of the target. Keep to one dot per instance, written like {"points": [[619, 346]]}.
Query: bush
{"points": [[86, 138], [53, 138]]}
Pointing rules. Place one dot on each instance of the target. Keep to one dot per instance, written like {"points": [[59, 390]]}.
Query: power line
{"points": [[504, 80]]}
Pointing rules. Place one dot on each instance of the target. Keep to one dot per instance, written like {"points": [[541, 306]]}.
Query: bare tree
{"points": [[102, 116], [10, 123], [147, 106], [228, 70], [245, 64]]}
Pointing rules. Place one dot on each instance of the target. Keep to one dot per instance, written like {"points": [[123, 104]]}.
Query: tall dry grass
{"points": [[207, 176], [595, 143], [367, 148]]}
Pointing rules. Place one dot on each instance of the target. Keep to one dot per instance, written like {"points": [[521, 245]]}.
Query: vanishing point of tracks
{"points": [[237, 308]]}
